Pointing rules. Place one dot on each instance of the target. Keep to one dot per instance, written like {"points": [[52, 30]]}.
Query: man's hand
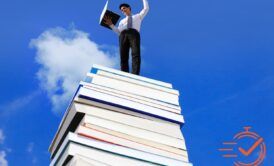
{"points": [[107, 20]]}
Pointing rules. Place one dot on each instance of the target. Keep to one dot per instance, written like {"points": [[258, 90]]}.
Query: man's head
{"points": [[125, 8]]}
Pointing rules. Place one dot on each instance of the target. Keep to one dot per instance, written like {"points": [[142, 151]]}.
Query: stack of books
{"points": [[117, 118]]}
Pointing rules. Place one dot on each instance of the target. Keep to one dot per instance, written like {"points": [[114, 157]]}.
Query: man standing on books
{"points": [[129, 36]]}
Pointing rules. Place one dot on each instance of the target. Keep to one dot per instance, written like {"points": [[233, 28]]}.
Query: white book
{"points": [[93, 152], [136, 132], [79, 160], [135, 89], [106, 137], [64, 127], [134, 81], [168, 129], [154, 144], [106, 99], [74, 115], [122, 110], [96, 68], [136, 98], [113, 154]]}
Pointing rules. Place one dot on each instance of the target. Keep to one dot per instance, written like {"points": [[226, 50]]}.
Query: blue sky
{"points": [[218, 54]]}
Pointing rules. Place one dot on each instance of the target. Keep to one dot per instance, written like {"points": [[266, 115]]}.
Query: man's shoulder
{"points": [[137, 15], [122, 21]]}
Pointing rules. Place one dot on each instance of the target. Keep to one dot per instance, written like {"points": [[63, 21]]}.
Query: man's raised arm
{"points": [[145, 10]]}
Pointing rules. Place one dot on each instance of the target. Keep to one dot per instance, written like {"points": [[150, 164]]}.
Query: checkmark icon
{"points": [[252, 148]]}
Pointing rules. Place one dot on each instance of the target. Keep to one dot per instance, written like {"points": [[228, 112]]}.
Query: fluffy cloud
{"points": [[3, 160], [65, 56]]}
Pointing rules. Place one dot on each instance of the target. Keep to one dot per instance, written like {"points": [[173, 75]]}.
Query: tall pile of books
{"points": [[116, 118]]}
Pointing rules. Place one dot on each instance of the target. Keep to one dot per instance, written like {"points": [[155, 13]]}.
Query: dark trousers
{"points": [[130, 38]]}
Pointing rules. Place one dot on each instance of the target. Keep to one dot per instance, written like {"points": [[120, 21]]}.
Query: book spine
{"points": [[133, 81], [172, 130], [106, 137], [135, 89], [133, 98], [95, 68], [136, 132], [105, 99]]}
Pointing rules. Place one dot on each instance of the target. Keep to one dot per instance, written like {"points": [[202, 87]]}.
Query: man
{"points": [[129, 36]]}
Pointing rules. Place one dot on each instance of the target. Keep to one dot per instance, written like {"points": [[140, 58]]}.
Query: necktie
{"points": [[129, 22]]}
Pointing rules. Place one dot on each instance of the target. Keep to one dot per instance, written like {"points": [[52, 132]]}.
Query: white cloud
{"points": [[2, 137], [3, 160], [65, 57]]}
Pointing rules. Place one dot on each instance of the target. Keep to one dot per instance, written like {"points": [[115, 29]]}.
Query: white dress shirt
{"points": [[136, 20]]}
